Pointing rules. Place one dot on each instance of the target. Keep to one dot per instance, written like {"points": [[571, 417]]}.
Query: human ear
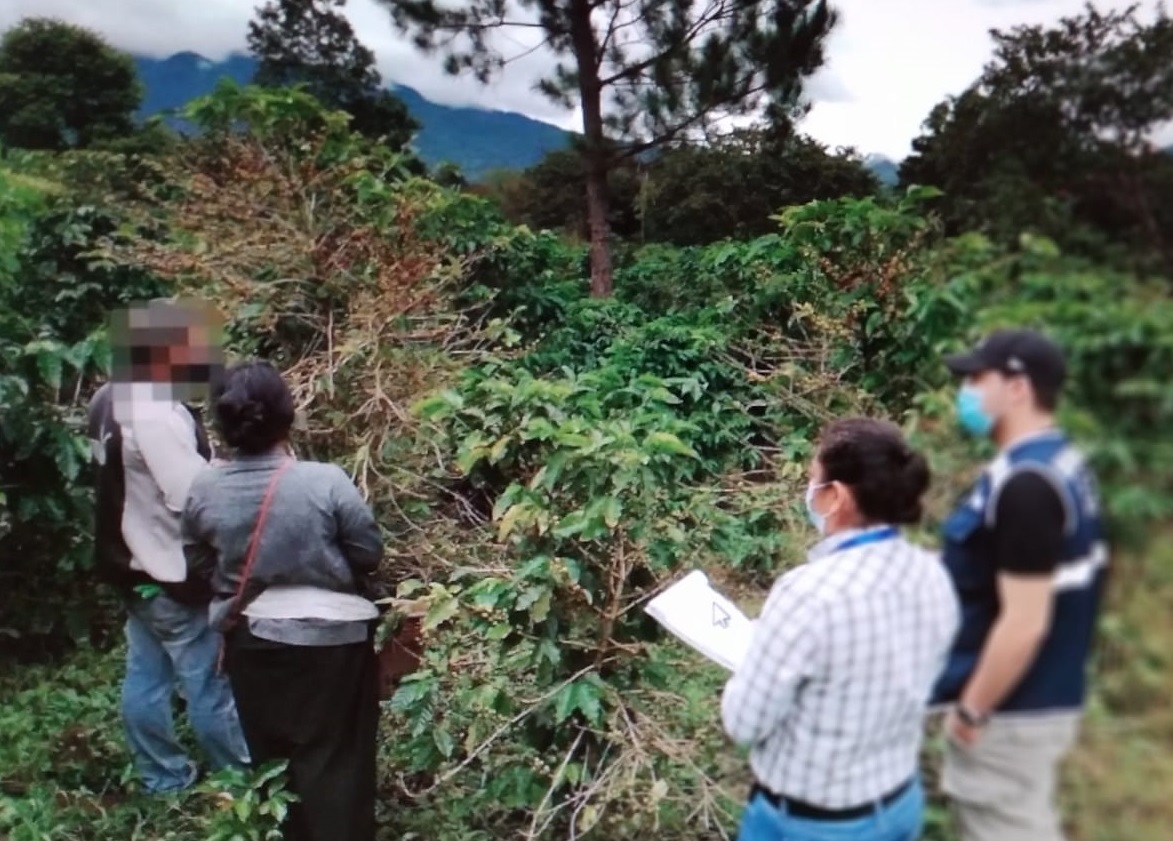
{"points": [[840, 501]]}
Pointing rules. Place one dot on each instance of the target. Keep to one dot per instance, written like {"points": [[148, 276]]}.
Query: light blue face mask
{"points": [[819, 521], [972, 415]]}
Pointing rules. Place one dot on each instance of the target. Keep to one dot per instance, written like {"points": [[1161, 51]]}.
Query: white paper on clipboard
{"points": [[704, 619]]}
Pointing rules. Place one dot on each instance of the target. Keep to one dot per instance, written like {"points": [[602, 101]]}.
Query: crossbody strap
{"points": [[254, 542]]}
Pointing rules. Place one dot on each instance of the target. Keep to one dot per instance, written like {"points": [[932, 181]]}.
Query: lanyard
{"points": [[864, 539]]}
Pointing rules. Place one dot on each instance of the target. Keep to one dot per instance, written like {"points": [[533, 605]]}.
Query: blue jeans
{"points": [[901, 820], [170, 645]]}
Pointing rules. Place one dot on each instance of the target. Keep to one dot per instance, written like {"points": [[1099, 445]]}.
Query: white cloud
{"points": [[902, 57], [889, 63]]}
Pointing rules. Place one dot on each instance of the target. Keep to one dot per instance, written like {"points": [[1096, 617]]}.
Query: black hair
{"points": [[254, 407], [1046, 398], [886, 476]]}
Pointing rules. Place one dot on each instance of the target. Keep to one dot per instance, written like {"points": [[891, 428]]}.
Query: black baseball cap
{"points": [[1026, 353]]}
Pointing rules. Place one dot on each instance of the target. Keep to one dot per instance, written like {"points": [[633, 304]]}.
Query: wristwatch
{"points": [[971, 718]]}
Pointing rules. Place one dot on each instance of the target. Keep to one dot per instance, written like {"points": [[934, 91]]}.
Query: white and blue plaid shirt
{"points": [[832, 694]]}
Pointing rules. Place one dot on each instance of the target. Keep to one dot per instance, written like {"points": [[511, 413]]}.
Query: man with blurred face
{"points": [[149, 446], [1026, 551]]}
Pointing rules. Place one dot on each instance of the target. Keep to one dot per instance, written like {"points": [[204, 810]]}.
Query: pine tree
{"points": [[645, 73]]}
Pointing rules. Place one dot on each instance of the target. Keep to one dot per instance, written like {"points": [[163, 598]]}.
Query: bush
{"points": [[542, 462]]}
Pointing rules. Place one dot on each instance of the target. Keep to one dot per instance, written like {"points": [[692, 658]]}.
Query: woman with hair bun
{"points": [[832, 694], [288, 546]]}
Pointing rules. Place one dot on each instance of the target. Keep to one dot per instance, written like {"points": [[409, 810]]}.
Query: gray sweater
{"points": [[319, 533]]}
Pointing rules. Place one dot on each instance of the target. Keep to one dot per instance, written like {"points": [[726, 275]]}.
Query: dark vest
{"points": [[111, 555], [1057, 678]]}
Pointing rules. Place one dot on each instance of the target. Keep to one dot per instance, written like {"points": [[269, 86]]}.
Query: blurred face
{"points": [[175, 345]]}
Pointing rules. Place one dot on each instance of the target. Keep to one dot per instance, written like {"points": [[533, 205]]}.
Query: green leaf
{"points": [[574, 523], [565, 703], [612, 511], [663, 395], [507, 499], [437, 406], [499, 631], [666, 442], [410, 692], [582, 696], [511, 519], [539, 429], [1039, 246], [444, 742], [49, 364], [66, 458], [917, 193], [470, 456], [541, 608], [498, 450], [487, 592], [440, 613], [571, 440], [406, 588]]}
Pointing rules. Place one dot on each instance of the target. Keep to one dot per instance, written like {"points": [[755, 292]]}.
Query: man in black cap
{"points": [[1027, 554]]}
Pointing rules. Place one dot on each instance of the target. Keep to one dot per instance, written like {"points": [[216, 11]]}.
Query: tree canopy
{"points": [[645, 74], [1057, 135], [310, 42], [63, 87], [699, 194], [692, 194]]}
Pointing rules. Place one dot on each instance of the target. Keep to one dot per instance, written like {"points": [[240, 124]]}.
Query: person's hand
{"points": [[959, 732]]}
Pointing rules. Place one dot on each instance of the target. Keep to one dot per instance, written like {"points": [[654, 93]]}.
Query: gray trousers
{"points": [[1004, 787]]}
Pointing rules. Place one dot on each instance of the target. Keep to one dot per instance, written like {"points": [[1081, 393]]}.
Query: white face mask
{"points": [[818, 520]]}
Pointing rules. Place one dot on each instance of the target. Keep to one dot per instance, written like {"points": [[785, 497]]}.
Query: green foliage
{"points": [[567, 455], [687, 194], [551, 195], [67, 773], [1055, 137], [53, 297], [702, 194], [706, 62], [253, 805], [695, 66], [311, 43], [63, 87]]}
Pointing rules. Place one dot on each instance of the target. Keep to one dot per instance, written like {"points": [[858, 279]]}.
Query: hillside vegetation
{"points": [[542, 460]]}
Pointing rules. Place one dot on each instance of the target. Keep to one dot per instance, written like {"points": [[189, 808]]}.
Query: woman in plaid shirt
{"points": [[832, 695]]}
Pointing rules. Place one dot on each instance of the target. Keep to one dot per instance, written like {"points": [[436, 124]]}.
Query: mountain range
{"points": [[477, 140]]}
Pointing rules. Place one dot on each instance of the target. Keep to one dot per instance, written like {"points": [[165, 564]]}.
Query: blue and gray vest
{"points": [[1057, 678]]}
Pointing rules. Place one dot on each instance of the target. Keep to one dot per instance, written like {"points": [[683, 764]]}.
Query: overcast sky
{"points": [[890, 61]]}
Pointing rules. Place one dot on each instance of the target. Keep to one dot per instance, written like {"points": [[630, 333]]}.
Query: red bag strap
{"points": [[250, 556]]}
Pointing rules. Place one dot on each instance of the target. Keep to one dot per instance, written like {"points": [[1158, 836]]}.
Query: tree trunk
{"points": [[598, 205], [596, 154]]}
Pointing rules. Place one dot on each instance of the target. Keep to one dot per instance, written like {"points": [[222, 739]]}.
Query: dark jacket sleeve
{"points": [[358, 533]]}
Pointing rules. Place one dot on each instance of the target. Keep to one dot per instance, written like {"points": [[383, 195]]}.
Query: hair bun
{"points": [[886, 475], [255, 409]]}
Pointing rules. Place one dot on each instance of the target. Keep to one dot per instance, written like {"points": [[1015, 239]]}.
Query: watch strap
{"points": [[971, 718]]}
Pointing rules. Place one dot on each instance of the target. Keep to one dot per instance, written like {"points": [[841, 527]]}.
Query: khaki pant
{"points": [[1004, 788]]}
